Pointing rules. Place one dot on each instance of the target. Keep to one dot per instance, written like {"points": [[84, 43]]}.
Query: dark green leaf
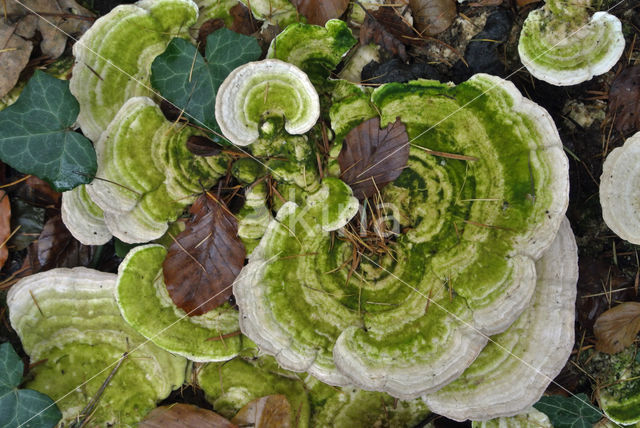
{"points": [[24, 407], [572, 412], [10, 368], [191, 82], [35, 135]]}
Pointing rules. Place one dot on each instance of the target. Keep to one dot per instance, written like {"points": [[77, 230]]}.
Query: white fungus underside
{"points": [[620, 190], [539, 343]]}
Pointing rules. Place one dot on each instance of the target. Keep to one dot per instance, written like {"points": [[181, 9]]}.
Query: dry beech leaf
{"points": [[38, 192], [204, 260], [624, 99], [374, 31], [392, 20], [318, 12], [14, 56], [271, 411], [5, 226], [617, 328], [202, 146], [56, 247], [243, 20], [523, 3], [432, 17], [184, 416], [65, 15], [370, 154]]}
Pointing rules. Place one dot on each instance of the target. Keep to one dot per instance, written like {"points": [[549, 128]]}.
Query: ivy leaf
{"points": [[35, 135], [191, 82], [371, 157], [617, 327], [572, 412], [17, 406], [205, 258]]}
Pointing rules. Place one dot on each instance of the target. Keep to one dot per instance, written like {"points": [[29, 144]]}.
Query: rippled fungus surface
{"points": [[619, 191], [69, 320], [411, 321], [562, 44]]}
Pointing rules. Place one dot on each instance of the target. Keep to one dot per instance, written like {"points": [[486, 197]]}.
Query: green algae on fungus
{"points": [[275, 12], [229, 386], [561, 45], [619, 191], [513, 370], [147, 176], [618, 381], [314, 49], [355, 408], [257, 91], [411, 321], [146, 305], [69, 320], [530, 418], [113, 58]]}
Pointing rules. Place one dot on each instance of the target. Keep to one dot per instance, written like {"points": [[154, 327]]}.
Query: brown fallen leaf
{"points": [[202, 146], [14, 56], [371, 157], [617, 328], [374, 31], [392, 19], [271, 411], [204, 260], [182, 415], [52, 16], [38, 192], [5, 226], [431, 17], [56, 247], [318, 12], [243, 20], [523, 3], [624, 100]]}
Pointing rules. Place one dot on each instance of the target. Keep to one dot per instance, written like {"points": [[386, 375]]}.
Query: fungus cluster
{"points": [[472, 296]]}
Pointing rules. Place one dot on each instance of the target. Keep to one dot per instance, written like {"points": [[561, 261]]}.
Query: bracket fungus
{"points": [[530, 418], [619, 190], [618, 380], [513, 370], [260, 90], [146, 305], [230, 386], [83, 218], [146, 174], [473, 224], [68, 318], [114, 57], [562, 45], [315, 50]]}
